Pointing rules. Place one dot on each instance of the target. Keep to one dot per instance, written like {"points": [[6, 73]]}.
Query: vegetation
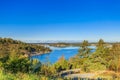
{"points": [[60, 44], [8, 44], [14, 65]]}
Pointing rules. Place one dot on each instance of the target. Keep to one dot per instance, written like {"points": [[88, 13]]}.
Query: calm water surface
{"points": [[56, 53]]}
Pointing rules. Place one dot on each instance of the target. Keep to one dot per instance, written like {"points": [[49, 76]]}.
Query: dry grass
{"points": [[110, 75]]}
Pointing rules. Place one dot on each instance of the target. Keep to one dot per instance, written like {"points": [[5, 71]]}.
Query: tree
{"points": [[100, 43], [84, 44], [17, 65], [62, 64], [114, 56], [84, 51], [101, 53]]}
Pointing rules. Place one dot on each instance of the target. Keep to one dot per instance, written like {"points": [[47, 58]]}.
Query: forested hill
{"points": [[7, 45]]}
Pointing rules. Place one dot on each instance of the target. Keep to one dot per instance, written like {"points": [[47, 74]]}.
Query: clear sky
{"points": [[60, 19]]}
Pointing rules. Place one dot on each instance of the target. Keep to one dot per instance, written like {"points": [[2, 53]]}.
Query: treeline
{"points": [[9, 41], [60, 44], [8, 44]]}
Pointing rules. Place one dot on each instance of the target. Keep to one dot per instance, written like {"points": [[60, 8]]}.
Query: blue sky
{"points": [[60, 19]]}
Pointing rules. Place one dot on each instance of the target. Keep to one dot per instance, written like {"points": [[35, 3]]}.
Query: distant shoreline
{"points": [[37, 54]]}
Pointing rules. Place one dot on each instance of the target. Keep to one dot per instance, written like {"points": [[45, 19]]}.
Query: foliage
{"points": [[17, 65], [8, 44], [84, 50], [114, 57], [14, 65], [21, 76], [62, 64], [103, 58]]}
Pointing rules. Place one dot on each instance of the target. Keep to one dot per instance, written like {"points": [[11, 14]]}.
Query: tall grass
{"points": [[23, 76], [20, 76]]}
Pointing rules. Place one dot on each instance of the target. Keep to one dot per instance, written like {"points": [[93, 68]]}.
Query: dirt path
{"points": [[85, 75]]}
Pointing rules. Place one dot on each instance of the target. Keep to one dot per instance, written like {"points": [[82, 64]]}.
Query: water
{"points": [[56, 53]]}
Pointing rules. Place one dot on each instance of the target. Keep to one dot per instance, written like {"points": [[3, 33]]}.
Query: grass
{"points": [[109, 75], [20, 76], [23, 76]]}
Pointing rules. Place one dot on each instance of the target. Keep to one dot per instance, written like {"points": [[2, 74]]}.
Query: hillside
{"points": [[7, 45]]}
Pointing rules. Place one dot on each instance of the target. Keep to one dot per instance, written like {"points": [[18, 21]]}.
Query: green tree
{"points": [[84, 51], [17, 65], [100, 43], [114, 57], [101, 53], [62, 64]]}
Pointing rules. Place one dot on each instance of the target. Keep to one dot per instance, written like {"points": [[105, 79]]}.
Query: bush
{"points": [[17, 65]]}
